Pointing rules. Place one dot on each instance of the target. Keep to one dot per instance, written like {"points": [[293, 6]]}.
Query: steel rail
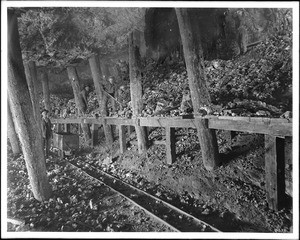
{"points": [[198, 221], [129, 199]]}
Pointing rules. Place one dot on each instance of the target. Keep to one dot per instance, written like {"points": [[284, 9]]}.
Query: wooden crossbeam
{"points": [[271, 126], [279, 129], [275, 130], [167, 122], [66, 120]]}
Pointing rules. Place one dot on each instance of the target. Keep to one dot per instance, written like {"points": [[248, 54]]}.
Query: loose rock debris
{"points": [[232, 198], [78, 204]]}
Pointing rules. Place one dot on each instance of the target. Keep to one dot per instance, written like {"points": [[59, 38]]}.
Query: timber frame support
{"points": [[275, 171], [193, 55], [136, 88], [275, 131]]}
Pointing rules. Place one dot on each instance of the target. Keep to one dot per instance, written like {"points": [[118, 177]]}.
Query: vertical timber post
{"points": [[32, 82], [11, 133], [170, 145], [129, 130], [275, 171], [194, 60], [94, 134], [122, 138], [26, 127], [102, 99], [67, 127], [59, 127], [46, 92], [74, 80], [136, 88]]}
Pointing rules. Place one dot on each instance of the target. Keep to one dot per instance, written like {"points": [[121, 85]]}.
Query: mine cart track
{"points": [[161, 211]]}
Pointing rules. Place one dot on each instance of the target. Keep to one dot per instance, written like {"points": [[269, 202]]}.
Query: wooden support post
{"points": [[229, 135], [102, 98], [79, 129], [288, 152], [275, 171], [74, 80], [59, 127], [129, 130], [170, 145], [32, 82], [29, 134], [95, 134], [11, 133], [208, 144], [108, 133], [148, 130], [122, 138], [104, 68], [194, 60], [46, 91], [67, 127], [136, 88]]}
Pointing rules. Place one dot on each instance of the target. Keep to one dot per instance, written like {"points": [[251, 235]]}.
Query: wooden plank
{"points": [[159, 142], [120, 121], [110, 121], [281, 128], [274, 168], [66, 120], [122, 138], [270, 120], [170, 145], [94, 130], [167, 122], [284, 129], [253, 119]]}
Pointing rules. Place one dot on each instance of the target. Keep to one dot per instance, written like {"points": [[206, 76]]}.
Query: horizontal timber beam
{"points": [[167, 122], [276, 129], [271, 126], [66, 120]]}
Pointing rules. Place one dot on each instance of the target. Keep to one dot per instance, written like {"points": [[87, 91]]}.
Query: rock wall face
{"points": [[224, 34], [162, 33]]}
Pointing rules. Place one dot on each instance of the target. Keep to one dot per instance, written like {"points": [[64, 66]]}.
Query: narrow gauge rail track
{"points": [[163, 212]]}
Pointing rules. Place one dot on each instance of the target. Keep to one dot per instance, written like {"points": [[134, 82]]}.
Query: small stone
{"points": [[206, 211]]}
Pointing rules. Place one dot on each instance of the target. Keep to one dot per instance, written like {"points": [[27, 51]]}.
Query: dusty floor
{"points": [[233, 192], [232, 198], [78, 204]]}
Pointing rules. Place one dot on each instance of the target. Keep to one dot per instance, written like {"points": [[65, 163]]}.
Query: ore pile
{"points": [[257, 84]]}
